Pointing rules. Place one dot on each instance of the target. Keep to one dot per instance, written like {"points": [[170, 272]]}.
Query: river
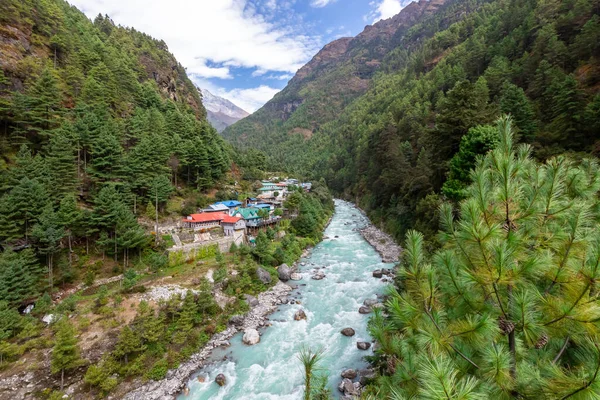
{"points": [[270, 369]]}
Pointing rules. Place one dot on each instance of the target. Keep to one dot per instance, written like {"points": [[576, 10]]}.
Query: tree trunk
{"points": [[62, 379], [50, 271], [116, 254], [70, 251], [156, 212]]}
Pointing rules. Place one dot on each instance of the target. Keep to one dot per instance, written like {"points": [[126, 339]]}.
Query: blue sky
{"points": [[244, 50]]}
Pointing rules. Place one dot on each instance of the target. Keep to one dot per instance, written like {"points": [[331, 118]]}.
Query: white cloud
{"points": [[209, 37], [320, 3], [384, 9], [250, 99]]}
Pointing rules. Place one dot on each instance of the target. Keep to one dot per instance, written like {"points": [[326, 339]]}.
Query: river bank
{"points": [[383, 243], [336, 292], [175, 381]]}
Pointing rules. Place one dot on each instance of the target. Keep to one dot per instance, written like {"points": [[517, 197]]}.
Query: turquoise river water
{"points": [[271, 370]]}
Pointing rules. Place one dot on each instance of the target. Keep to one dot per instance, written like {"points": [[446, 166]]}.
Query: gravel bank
{"points": [[176, 379], [383, 243]]}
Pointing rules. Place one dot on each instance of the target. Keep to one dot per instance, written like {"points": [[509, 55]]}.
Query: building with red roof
{"points": [[232, 224], [204, 220]]}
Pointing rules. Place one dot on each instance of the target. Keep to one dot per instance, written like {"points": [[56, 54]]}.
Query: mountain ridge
{"points": [[221, 112]]}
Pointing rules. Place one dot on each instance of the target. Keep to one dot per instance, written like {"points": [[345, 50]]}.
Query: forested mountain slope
{"points": [[321, 89], [98, 121], [452, 70]]}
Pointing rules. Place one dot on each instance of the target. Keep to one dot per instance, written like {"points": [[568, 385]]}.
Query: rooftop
{"points": [[205, 217]]}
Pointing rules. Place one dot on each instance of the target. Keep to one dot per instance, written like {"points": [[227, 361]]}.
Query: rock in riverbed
{"points": [[284, 272], [363, 345], [299, 315], [221, 380], [370, 302], [349, 374], [236, 320], [377, 273], [251, 337], [318, 276], [347, 332], [296, 276], [364, 310], [251, 300]]}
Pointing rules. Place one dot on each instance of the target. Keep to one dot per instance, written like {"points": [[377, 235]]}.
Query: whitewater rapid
{"points": [[270, 370]]}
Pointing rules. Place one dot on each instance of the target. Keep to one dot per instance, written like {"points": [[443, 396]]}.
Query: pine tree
{"points": [[65, 353], [106, 156], [129, 342], [10, 321], [48, 233], [514, 102], [19, 276], [60, 161], [29, 198], [42, 103], [71, 219], [505, 308]]}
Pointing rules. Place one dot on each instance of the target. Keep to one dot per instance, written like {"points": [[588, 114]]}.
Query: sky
{"points": [[244, 50]]}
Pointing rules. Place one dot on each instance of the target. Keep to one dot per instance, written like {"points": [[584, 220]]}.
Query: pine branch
{"points": [[562, 350], [588, 384]]}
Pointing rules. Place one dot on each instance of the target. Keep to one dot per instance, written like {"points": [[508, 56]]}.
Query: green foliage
{"points": [[506, 308], [386, 142], [477, 142], [65, 353]]}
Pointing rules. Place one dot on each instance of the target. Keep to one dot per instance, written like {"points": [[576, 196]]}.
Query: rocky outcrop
{"points": [[176, 379], [383, 243], [251, 300], [251, 337]]}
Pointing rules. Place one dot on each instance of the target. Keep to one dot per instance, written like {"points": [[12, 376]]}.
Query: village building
{"points": [[217, 207], [231, 205], [249, 215], [203, 221], [231, 224]]}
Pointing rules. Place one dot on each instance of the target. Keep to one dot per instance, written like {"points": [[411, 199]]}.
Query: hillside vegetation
{"points": [[103, 138], [451, 71]]}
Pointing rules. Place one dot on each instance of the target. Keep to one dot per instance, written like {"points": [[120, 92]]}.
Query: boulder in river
{"points": [[251, 337], [263, 275], [347, 332], [365, 310], [363, 345], [296, 276], [348, 388], [370, 302], [318, 276], [366, 375], [349, 373], [221, 380], [299, 315], [251, 300], [377, 273], [284, 272]]}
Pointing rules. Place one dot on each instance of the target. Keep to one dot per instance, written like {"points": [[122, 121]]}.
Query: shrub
{"points": [[158, 370]]}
